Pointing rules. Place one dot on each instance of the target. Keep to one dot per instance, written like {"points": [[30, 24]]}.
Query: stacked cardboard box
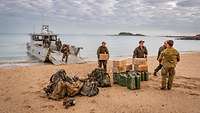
{"points": [[119, 66], [140, 64]]}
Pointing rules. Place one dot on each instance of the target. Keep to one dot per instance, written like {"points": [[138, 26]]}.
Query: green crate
{"points": [[131, 83], [116, 78], [137, 81], [123, 79], [146, 76]]}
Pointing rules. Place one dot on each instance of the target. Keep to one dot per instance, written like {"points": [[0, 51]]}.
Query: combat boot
{"points": [[155, 73]]}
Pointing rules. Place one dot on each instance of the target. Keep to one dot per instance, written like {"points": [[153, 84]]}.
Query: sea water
{"points": [[13, 46]]}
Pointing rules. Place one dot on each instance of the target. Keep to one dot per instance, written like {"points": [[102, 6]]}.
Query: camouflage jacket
{"points": [[102, 50], [58, 43], [140, 53], [169, 58], [160, 50], [66, 50]]}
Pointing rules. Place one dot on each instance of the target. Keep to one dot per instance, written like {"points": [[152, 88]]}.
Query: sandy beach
{"points": [[21, 90]]}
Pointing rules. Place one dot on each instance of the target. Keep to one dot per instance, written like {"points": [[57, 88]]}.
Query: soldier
{"points": [[140, 51], [46, 42], [65, 50], [102, 50], [58, 44], [169, 58], [163, 47]]}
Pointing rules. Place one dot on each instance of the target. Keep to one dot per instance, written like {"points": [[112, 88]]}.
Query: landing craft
{"points": [[37, 48]]}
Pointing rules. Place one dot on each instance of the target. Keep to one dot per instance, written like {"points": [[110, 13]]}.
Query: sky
{"points": [[150, 17]]}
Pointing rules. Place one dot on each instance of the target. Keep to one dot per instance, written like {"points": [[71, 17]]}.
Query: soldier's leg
{"points": [[105, 65], [171, 78], [63, 57], [158, 68], [164, 78], [66, 58]]}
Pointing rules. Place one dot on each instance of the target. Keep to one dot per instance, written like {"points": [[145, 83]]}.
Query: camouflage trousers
{"points": [[65, 56], [58, 47], [167, 77], [103, 63]]}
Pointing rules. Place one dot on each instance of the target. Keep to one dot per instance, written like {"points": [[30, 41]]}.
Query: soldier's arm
{"points": [[145, 52], [178, 57], [159, 52], [134, 53], [161, 57], [98, 52], [107, 52]]}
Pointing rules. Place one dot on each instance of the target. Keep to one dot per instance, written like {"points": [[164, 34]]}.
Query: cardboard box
{"points": [[119, 63], [140, 64], [138, 61], [103, 57], [129, 67], [141, 67], [119, 66], [119, 69]]}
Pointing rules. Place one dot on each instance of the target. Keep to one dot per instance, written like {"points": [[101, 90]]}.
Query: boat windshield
{"points": [[42, 37]]}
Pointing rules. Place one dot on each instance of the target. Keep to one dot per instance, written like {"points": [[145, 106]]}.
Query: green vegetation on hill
{"points": [[129, 34]]}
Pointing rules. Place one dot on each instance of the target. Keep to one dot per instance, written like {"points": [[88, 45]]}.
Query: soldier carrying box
{"points": [[140, 57], [103, 55]]}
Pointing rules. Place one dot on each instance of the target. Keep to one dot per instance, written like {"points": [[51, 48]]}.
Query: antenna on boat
{"points": [[34, 28]]}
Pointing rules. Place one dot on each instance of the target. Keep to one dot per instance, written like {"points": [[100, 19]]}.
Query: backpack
{"points": [[89, 88], [102, 78], [55, 78]]}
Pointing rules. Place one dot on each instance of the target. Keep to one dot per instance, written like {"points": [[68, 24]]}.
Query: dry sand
{"points": [[21, 91]]}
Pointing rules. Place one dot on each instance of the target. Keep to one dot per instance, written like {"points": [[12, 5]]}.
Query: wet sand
{"points": [[21, 90]]}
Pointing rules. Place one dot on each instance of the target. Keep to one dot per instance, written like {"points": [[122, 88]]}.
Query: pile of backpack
{"points": [[63, 86]]}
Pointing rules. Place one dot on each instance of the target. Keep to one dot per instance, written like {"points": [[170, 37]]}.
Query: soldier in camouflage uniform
{"points": [[58, 44], [66, 52], [163, 47], [102, 50], [168, 58], [140, 51]]}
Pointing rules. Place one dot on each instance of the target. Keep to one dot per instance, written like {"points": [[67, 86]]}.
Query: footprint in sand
{"points": [[92, 110], [93, 101], [48, 106], [27, 107], [7, 99], [25, 92], [194, 94]]}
